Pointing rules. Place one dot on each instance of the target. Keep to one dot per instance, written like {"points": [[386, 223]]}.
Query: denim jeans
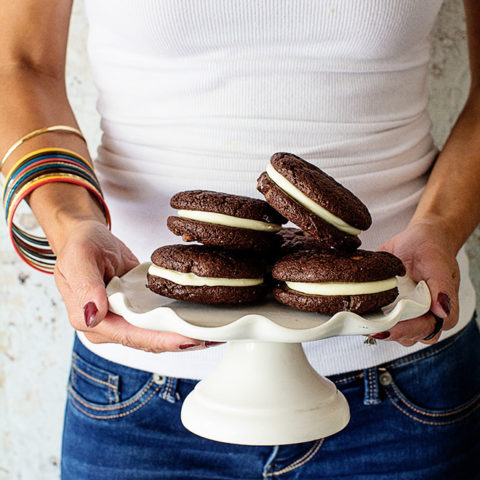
{"points": [[415, 418]]}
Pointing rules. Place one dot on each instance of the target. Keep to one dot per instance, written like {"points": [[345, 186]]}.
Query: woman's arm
{"points": [[449, 209], [33, 38], [451, 198]]}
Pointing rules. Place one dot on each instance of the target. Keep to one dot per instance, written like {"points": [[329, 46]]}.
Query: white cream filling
{"points": [[228, 220], [308, 203], [326, 289], [190, 279]]}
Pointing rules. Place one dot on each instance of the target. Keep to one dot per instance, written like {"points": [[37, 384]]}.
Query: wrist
{"points": [[441, 229], [61, 208]]}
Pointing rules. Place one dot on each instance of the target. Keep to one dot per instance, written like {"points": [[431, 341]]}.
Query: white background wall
{"points": [[35, 336]]}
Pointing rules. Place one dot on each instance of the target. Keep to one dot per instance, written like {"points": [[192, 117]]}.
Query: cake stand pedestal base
{"points": [[265, 393]]}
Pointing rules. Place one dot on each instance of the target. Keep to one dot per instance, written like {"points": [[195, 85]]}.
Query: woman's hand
{"points": [[428, 255], [90, 257]]}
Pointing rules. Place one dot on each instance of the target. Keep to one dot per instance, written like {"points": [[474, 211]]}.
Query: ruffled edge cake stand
{"points": [[264, 392]]}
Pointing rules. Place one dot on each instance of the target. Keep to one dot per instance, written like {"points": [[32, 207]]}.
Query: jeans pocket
{"points": [[96, 392], [94, 384], [406, 403], [440, 385]]}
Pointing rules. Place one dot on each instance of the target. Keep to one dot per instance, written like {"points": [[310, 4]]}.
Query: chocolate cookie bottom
{"points": [[330, 305], [220, 235], [204, 294]]}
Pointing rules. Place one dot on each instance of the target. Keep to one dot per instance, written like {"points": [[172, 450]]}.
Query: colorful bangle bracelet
{"points": [[43, 152], [40, 180], [35, 133], [44, 169], [38, 259], [26, 244], [39, 264], [43, 166], [39, 160], [42, 241]]}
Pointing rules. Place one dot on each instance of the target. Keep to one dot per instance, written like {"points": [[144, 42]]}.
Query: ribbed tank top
{"points": [[197, 94]]}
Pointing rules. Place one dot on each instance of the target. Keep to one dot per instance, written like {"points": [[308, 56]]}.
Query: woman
{"points": [[198, 95]]}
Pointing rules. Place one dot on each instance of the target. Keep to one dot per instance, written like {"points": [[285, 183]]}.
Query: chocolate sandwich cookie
{"points": [[221, 219], [327, 282], [314, 201], [196, 273]]}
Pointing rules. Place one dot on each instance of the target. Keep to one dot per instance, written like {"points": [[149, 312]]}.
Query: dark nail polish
{"points": [[444, 300], [90, 311], [381, 335], [188, 345], [213, 344]]}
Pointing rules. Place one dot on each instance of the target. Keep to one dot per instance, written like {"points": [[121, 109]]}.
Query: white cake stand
{"points": [[264, 392]]}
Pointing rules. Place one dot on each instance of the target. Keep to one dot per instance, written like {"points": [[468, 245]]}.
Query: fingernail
{"points": [[213, 344], [90, 311], [188, 345], [381, 335], [444, 300]]}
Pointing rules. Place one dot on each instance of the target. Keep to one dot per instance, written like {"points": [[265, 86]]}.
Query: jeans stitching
{"points": [[301, 461], [425, 421], [92, 378], [112, 407], [370, 383], [110, 398], [123, 414], [440, 414], [351, 377]]}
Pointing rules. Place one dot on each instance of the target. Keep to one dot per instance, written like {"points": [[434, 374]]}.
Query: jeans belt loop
{"points": [[169, 390], [370, 381]]}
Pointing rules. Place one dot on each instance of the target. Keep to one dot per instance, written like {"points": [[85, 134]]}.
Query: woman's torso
{"points": [[199, 94]]}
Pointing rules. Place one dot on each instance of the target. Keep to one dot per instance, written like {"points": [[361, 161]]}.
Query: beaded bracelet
{"points": [[39, 168]]}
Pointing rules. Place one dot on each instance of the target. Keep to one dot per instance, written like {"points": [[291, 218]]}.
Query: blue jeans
{"points": [[415, 418]]}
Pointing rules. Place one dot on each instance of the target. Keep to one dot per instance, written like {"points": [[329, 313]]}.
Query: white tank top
{"points": [[197, 94]]}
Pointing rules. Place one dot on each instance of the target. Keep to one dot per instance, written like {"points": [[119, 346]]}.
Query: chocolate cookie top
{"points": [[357, 266], [227, 204], [209, 261], [328, 235], [322, 189]]}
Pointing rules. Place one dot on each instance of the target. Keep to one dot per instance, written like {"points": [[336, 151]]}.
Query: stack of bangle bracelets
{"points": [[47, 165]]}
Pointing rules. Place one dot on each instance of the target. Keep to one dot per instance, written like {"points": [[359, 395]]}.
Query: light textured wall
{"points": [[35, 336]]}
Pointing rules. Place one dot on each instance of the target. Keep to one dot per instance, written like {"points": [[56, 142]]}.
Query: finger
{"points": [[87, 302], [407, 343], [408, 332], [414, 329], [115, 329], [443, 286]]}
